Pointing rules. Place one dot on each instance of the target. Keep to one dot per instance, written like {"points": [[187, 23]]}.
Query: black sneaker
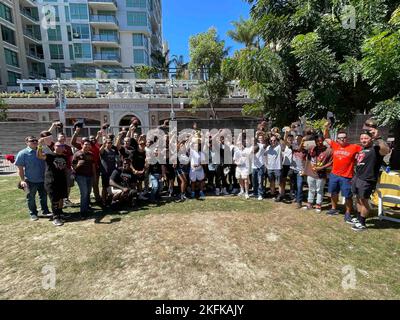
{"points": [[359, 227], [278, 199], [332, 212]]}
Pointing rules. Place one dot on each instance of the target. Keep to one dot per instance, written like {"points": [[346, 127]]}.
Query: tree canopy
{"points": [[318, 56]]}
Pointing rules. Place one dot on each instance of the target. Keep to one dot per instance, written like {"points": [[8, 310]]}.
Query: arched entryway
{"points": [[126, 122]]}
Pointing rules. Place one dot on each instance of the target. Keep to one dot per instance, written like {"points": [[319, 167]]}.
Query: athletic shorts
{"points": [[274, 175], [196, 174], [285, 171], [170, 173], [340, 184], [362, 189], [242, 173]]}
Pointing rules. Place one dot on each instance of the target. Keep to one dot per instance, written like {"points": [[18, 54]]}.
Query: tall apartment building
{"points": [[109, 35]]}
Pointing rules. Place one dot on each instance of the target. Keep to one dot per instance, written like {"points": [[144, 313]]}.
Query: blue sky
{"points": [[183, 18]]}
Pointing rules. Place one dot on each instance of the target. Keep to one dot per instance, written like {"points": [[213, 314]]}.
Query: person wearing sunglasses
{"points": [[55, 180], [369, 162], [31, 172], [108, 163], [138, 159], [344, 156]]}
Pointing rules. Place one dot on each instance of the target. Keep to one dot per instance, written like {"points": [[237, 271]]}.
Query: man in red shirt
{"points": [[95, 149], [344, 156]]}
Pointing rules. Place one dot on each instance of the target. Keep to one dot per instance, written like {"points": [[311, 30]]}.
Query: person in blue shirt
{"points": [[31, 172]]}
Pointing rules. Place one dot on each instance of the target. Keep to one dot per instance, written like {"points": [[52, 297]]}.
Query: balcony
{"points": [[103, 21], [103, 4], [35, 56], [36, 75], [105, 39], [32, 36], [109, 58], [28, 15]]}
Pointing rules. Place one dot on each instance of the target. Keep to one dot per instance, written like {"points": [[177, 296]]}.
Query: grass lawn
{"points": [[225, 248]]}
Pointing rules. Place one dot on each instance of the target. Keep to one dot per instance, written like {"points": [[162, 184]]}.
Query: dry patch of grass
{"points": [[214, 249]]}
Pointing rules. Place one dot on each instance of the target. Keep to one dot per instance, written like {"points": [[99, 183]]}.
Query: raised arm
{"points": [[74, 138], [327, 136]]}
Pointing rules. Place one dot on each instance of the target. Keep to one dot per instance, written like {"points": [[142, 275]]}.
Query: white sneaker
{"points": [[359, 227], [217, 191], [260, 198], [58, 222], [241, 193], [246, 196], [226, 193]]}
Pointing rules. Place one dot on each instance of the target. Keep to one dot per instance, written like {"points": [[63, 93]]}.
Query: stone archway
{"points": [[124, 110], [125, 121]]}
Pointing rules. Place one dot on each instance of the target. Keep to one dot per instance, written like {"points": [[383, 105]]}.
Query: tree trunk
{"points": [[394, 162]]}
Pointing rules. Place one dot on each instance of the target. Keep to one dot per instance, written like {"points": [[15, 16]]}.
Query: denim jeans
{"points": [[297, 182], [85, 186], [258, 181], [315, 186], [30, 198], [156, 186]]}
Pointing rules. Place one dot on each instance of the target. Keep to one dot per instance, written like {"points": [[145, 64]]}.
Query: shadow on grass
{"points": [[376, 223]]}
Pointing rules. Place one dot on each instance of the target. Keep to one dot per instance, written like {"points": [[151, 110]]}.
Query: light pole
{"points": [[60, 101], [172, 113]]}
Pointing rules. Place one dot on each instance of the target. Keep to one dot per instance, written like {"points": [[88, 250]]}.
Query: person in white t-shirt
{"points": [[196, 174], [241, 158], [287, 156], [274, 157], [258, 165]]}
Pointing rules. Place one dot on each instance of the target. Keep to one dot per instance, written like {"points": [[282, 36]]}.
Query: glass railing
{"points": [[29, 15], [105, 1], [106, 56], [105, 37], [32, 35], [103, 18], [35, 55]]}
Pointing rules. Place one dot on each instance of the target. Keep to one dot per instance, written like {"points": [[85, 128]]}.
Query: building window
{"points": [[5, 12], [56, 51], [12, 78], [71, 52], [11, 58], [138, 19], [140, 40], [136, 3], [139, 56], [8, 35], [54, 34], [58, 67], [79, 11], [80, 31], [82, 51], [66, 14]]}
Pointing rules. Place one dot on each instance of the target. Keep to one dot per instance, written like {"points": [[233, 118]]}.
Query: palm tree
{"points": [[180, 66], [161, 62], [244, 32]]}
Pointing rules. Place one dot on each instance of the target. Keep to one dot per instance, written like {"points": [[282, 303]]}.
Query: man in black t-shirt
{"points": [[138, 158], [108, 163], [123, 185], [369, 161]]}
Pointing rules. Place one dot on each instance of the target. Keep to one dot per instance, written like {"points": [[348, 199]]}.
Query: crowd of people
{"points": [[134, 168]]}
